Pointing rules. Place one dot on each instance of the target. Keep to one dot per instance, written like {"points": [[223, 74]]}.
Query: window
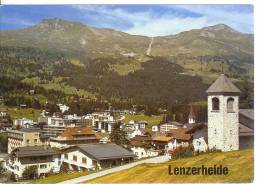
{"points": [[215, 131], [230, 105], [43, 166], [75, 158], [66, 156], [35, 140], [27, 141], [84, 160], [231, 132], [215, 104]]}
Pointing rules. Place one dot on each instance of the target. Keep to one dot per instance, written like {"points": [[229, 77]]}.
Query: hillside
{"points": [[92, 62], [239, 163], [75, 38]]}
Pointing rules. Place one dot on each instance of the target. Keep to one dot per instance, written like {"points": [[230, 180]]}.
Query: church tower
{"points": [[191, 118], [223, 114]]}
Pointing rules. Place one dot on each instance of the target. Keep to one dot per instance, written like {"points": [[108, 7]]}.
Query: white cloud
{"points": [[149, 23]]}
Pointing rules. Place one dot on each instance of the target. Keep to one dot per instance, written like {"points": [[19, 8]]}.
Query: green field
{"points": [[17, 113], [57, 84], [152, 120], [62, 177], [239, 163]]}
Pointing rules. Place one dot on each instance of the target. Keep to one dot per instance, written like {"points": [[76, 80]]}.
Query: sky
{"points": [[148, 20]]}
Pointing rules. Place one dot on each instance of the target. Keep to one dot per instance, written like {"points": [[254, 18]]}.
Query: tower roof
{"points": [[223, 85]]}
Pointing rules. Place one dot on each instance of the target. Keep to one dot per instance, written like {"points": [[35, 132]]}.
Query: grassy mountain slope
{"points": [[93, 61], [239, 163], [75, 38], [215, 40]]}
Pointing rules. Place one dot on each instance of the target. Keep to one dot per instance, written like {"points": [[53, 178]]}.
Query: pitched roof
{"points": [[180, 133], [75, 133], [171, 123], [249, 113], [245, 131], [30, 130], [197, 126], [162, 138], [30, 151], [105, 151], [141, 138], [223, 85]]}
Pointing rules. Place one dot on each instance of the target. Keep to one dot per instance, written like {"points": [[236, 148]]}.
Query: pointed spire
{"points": [[223, 85], [222, 67], [191, 115]]}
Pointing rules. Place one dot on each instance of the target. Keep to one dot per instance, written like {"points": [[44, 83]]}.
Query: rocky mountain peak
{"points": [[219, 27]]}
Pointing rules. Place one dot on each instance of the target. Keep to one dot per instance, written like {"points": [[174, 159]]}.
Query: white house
{"points": [[39, 156], [155, 128], [142, 147], [95, 156], [163, 143], [63, 108], [3, 112], [199, 137], [24, 122]]}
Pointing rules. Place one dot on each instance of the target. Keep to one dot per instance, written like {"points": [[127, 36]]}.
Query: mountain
{"points": [[214, 40], [81, 60], [75, 38]]}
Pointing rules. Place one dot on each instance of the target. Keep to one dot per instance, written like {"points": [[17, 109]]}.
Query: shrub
{"points": [[30, 172], [183, 152]]}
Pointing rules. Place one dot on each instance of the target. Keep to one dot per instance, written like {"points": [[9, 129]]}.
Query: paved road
{"points": [[81, 179]]}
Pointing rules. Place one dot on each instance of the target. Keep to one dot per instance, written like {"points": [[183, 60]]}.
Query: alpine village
{"points": [[126, 105]]}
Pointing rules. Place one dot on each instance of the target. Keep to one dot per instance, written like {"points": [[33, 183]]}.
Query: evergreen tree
{"points": [[119, 136]]}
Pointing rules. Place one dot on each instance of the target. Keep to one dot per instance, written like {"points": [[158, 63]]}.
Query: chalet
{"points": [[40, 156], [142, 147], [95, 156], [163, 142], [74, 136], [199, 136], [135, 128], [180, 137], [167, 126]]}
